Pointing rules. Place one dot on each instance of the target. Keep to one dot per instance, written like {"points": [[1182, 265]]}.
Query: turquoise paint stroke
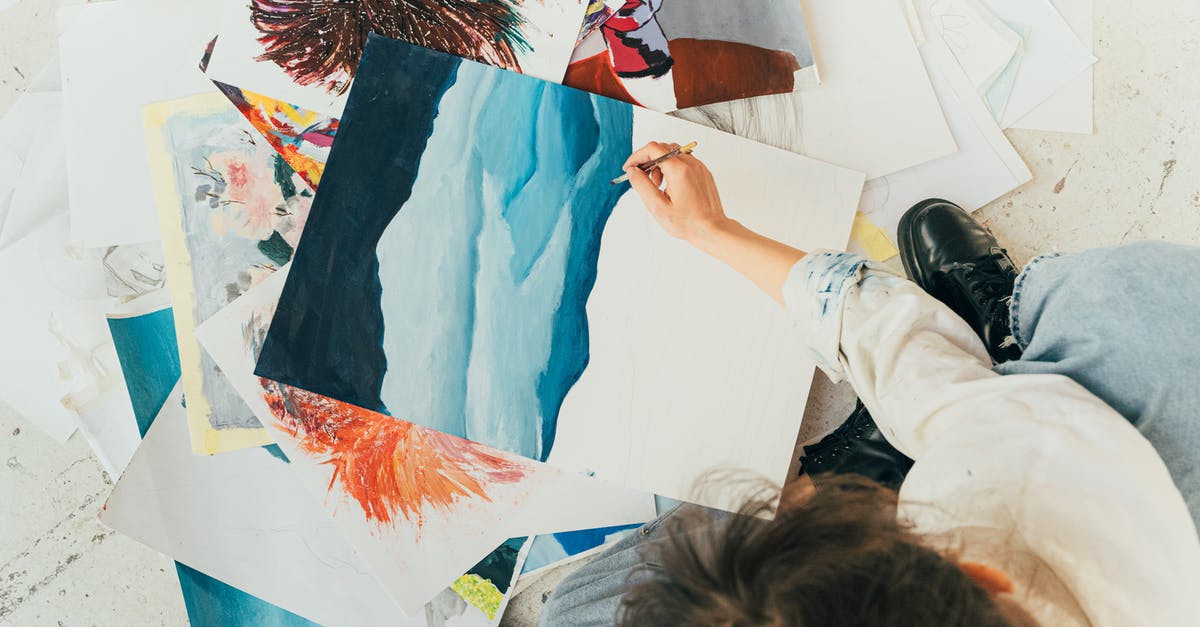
{"points": [[487, 267], [149, 360], [212, 603]]}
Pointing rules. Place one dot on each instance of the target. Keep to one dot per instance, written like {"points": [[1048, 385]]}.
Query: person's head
{"points": [[836, 556]]}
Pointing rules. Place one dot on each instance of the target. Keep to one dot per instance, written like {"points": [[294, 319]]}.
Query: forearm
{"points": [[761, 259]]}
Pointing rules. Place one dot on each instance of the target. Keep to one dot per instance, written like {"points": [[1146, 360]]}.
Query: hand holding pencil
{"points": [[653, 164], [689, 206]]}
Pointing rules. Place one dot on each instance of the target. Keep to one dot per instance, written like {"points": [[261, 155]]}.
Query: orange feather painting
{"points": [[390, 467], [420, 506]]}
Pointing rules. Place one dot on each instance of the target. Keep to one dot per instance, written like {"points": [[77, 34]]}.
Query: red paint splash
{"points": [[391, 467], [237, 174]]}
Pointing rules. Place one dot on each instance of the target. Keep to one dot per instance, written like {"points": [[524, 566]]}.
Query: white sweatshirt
{"points": [[1031, 474]]}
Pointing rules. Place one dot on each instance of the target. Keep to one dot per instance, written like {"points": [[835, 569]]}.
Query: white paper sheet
{"points": [[1069, 110], [981, 43], [553, 27], [33, 159], [246, 519], [116, 58], [109, 426], [415, 562], [1053, 54], [52, 301], [985, 167], [691, 368], [874, 110]]}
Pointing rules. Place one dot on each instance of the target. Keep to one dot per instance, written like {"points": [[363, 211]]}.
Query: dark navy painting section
{"points": [[328, 326]]}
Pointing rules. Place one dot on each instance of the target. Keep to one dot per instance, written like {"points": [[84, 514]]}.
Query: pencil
{"points": [[653, 165]]}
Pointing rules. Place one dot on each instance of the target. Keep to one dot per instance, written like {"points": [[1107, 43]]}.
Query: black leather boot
{"points": [[857, 447], [957, 261]]}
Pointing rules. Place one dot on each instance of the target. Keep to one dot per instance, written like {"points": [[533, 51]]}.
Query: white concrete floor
{"points": [[1138, 177]]}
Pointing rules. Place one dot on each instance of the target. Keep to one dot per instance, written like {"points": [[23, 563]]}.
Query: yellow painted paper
{"points": [[872, 239]]}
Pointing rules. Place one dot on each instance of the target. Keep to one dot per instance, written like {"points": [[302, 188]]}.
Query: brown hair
{"points": [[836, 556]]}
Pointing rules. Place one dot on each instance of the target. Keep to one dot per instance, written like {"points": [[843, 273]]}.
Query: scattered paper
{"points": [[52, 296], [420, 551], [983, 45], [116, 58], [32, 165], [985, 167], [1053, 56], [244, 518], [870, 241], [1069, 110], [998, 94], [874, 110]]}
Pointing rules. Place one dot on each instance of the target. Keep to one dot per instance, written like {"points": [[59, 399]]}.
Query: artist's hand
{"points": [[682, 197], [688, 206]]}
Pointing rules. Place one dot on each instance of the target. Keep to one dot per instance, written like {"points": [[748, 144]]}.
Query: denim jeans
{"points": [[1123, 323], [1117, 320]]}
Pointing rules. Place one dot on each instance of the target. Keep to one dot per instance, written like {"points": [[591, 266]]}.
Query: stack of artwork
{"points": [[368, 332]]}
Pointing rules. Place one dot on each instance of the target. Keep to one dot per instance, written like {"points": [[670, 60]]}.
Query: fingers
{"points": [[646, 188], [683, 166], [649, 152], [656, 177]]}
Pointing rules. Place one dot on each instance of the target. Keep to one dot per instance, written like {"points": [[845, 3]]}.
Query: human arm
{"points": [[1033, 461], [691, 210]]}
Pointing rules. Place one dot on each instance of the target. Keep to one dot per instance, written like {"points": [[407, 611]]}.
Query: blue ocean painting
{"points": [[443, 274]]}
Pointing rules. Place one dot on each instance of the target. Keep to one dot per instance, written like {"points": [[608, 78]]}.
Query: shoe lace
{"points": [[990, 283]]}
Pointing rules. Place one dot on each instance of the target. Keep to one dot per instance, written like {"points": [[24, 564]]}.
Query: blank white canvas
{"points": [[116, 58], [1069, 110], [874, 110], [985, 167], [244, 518], [552, 28], [415, 563], [1053, 54], [691, 367]]}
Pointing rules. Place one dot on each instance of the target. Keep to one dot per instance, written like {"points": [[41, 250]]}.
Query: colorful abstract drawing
{"points": [[597, 12], [671, 54], [307, 51], [231, 211], [302, 137], [453, 275], [391, 467], [319, 42]]}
